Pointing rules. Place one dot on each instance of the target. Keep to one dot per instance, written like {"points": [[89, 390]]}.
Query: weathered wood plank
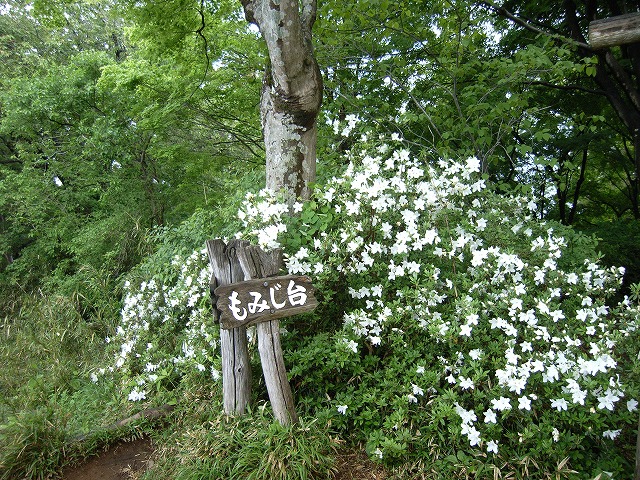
{"points": [[236, 368], [261, 300], [257, 263], [275, 372], [618, 30]]}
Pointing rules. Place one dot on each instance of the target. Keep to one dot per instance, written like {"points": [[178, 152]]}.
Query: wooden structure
{"points": [[236, 369], [264, 299], [614, 31], [245, 290]]}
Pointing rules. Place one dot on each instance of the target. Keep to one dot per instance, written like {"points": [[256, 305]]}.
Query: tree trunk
{"points": [[615, 31], [291, 94], [635, 185], [291, 99]]}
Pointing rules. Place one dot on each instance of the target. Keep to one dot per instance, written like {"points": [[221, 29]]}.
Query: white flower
{"points": [[578, 396], [492, 446], [572, 278], [416, 389], [420, 371], [632, 405], [490, 416], [466, 383], [520, 289], [502, 403], [473, 434], [557, 315], [136, 395], [612, 434], [524, 403], [473, 164], [609, 399], [559, 404], [475, 354], [467, 416], [555, 434]]}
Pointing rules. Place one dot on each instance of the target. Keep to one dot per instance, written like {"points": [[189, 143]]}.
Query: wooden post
{"points": [[246, 290], [236, 369], [257, 263], [618, 30]]}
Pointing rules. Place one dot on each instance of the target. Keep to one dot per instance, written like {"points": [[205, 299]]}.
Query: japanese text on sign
{"points": [[295, 293], [264, 299]]}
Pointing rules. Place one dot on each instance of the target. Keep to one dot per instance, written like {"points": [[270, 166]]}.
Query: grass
{"points": [[46, 398], [47, 402], [204, 443]]}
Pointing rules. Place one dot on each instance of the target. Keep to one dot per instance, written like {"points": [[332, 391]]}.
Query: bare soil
{"points": [[124, 461], [129, 460], [356, 465]]}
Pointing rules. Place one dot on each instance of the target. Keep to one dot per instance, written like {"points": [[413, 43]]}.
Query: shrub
{"points": [[455, 328], [457, 325]]}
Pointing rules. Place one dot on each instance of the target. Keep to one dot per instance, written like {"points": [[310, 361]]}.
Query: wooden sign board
{"points": [[264, 299]]}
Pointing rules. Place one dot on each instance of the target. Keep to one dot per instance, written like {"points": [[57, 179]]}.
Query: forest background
{"points": [[130, 134]]}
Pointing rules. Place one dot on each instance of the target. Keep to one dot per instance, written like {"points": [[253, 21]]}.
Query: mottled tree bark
{"points": [[291, 94]]}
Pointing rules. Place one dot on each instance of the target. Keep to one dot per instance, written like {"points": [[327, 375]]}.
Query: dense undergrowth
{"points": [[458, 336]]}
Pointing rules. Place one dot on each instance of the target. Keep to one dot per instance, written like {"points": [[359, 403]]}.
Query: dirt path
{"points": [[124, 461], [128, 461]]}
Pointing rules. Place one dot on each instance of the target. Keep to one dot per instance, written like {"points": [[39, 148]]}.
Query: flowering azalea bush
{"points": [[166, 329], [455, 330], [456, 326]]}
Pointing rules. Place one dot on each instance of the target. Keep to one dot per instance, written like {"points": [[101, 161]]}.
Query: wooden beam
{"points": [[614, 31]]}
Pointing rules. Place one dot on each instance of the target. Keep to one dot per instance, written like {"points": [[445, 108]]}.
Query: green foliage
{"points": [[207, 444], [31, 445], [619, 241], [452, 325], [122, 150], [43, 341], [444, 305], [47, 349]]}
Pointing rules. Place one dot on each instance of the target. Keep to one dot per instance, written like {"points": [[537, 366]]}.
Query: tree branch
{"points": [[532, 28], [249, 8], [623, 78], [569, 88]]}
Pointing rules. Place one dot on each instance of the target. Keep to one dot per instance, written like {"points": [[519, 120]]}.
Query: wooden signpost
{"points": [[246, 291], [263, 300]]}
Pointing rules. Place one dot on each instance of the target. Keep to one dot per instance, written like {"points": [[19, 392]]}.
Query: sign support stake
{"points": [[236, 369], [256, 263], [261, 298]]}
